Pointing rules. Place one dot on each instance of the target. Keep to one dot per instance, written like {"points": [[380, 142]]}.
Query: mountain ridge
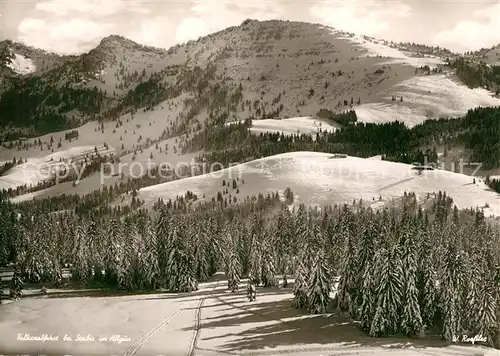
{"points": [[120, 75]]}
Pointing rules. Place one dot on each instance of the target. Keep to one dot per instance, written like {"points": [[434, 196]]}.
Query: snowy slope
{"points": [[293, 125], [317, 179], [387, 112], [424, 97], [37, 169], [22, 65], [374, 47], [149, 125], [228, 324]]}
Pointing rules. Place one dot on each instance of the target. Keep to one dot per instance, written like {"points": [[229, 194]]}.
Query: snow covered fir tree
{"points": [[16, 285], [396, 271]]}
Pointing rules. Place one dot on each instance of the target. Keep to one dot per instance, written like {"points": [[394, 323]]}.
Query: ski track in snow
{"points": [[132, 350], [197, 323], [316, 340]]}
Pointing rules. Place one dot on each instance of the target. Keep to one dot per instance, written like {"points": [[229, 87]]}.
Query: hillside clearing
{"points": [[316, 179], [425, 97], [22, 65], [290, 126]]}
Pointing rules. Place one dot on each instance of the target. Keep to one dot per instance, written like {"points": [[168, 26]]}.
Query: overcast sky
{"points": [[75, 26]]}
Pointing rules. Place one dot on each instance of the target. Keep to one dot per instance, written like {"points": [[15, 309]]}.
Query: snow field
{"points": [[426, 97], [128, 166], [290, 126], [317, 179], [378, 48], [42, 168], [22, 65], [211, 321]]}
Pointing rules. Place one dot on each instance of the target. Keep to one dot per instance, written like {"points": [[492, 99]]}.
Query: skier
{"points": [[251, 290], [285, 281], [233, 287]]}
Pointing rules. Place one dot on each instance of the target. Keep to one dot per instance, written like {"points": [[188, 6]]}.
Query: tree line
{"points": [[478, 131]]}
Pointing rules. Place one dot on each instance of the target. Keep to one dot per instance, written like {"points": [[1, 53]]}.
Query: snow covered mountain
{"points": [[145, 98], [287, 68], [169, 179]]}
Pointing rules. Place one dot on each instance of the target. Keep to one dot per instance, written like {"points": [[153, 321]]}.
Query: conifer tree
{"points": [[487, 317], [368, 298], [16, 284], [495, 333], [411, 319], [94, 249], [114, 252], [367, 294], [233, 272], [426, 283], [319, 286], [214, 250], [180, 264], [80, 266], [128, 264], [175, 261], [348, 276], [284, 242], [255, 262], [187, 280], [300, 234], [470, 294], [243, 246], [451, 282], [389, 271], [300, 292], [268, 269], [200, 253], [149, 258], [163, 244]]}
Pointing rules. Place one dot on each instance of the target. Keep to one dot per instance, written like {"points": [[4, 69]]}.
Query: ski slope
{"points": [[290, 126], [318, 179], [374, 47], [426, 97], [21, 65]]}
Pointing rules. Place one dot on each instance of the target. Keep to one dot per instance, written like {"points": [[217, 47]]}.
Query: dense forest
{"points": [[478, 75], [34, 104], [478, 131], [344, 118], [401, 270]]}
